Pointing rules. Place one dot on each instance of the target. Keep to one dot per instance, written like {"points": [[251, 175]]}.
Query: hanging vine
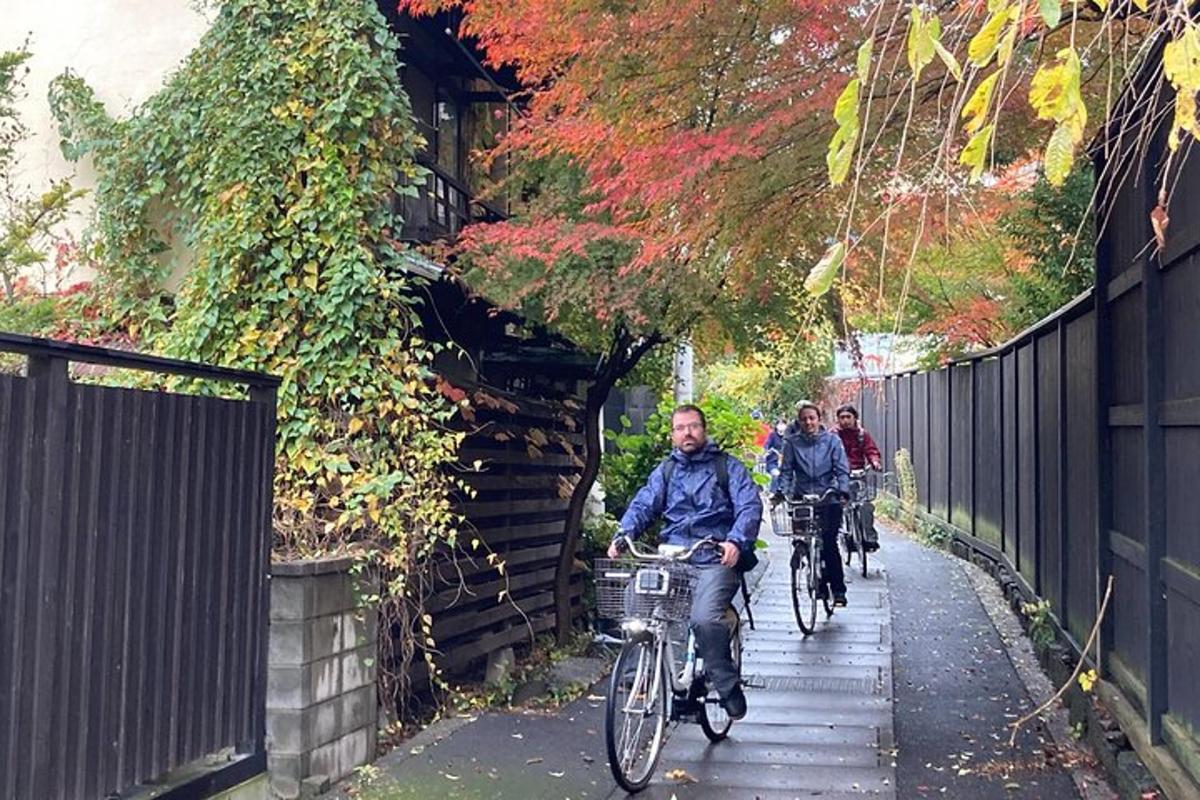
{"points": [[274, 156]]}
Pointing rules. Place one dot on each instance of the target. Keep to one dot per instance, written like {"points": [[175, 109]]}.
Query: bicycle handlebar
{"points": [[625, 544], [811, 499]]}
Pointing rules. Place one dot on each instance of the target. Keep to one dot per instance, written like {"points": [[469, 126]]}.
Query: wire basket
{"points": [[794, 519], [641, 590], [867, 487]]}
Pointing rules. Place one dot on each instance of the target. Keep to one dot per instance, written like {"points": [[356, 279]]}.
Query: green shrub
{"points": [[625, 471]]}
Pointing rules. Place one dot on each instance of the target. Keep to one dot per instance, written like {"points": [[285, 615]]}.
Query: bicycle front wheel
{"points": [[804, 595], [637, 715], [714, 720], [819, 584]]}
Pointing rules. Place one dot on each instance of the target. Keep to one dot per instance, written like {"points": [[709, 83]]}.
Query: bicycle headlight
{"points": [[634, 626]]}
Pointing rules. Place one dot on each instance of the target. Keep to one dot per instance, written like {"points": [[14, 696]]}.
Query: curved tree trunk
{"points": [[596, 395], [623, 355]]}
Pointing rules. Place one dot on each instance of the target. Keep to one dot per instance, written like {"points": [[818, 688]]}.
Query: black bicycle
{"points": [[804, 528], [649, 689], [854, 536]]}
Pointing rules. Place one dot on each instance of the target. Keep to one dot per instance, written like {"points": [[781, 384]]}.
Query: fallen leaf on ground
{"points": [[557, 774], [680, 776], [450, 777], [534, 760]]}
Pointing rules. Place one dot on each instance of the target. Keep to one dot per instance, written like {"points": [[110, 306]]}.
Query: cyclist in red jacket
{"points": [[862, 452]]}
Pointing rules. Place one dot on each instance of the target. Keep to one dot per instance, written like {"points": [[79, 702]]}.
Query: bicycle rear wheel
{"points": [[635, 726], [804, 595], [714, 720]]}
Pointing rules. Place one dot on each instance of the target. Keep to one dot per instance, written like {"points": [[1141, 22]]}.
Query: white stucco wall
{"points": [[122, 48]]}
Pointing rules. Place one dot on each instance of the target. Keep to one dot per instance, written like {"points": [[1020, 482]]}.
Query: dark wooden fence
{"points": [[1073, 452], [134, 538], [530, 451]]}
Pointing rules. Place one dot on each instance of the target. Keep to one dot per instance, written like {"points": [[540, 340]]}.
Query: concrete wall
{"points": [[123, 48], [321, 698]]}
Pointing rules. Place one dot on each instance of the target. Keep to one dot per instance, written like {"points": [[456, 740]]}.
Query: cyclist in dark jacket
{"points": [[695, 506], [861, 452], [814, 461]]}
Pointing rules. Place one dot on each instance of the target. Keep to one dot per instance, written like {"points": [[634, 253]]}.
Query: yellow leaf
{"points": [[949, 60], [1142, 5], [1101, 4], [356, 425], [983, 44], [920, 42], [1060, 154], [977, 107], [864, 60], [821, 277], [1054, 91], [975, 153], [311, 282], [841, 146]]}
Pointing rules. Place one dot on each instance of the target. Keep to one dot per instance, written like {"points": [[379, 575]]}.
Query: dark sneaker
{"points": [[870, 547], [735, 704], [839, 600]]}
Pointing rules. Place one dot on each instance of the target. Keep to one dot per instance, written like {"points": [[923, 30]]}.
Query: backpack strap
{"points": [[722, 467]]}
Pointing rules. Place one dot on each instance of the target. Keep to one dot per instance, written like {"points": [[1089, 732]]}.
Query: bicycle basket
{"points": [[644, 590], [781, 520], [803, 520]]}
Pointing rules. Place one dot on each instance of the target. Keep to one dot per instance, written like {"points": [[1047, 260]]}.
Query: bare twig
{"points": [[1016, 726]]}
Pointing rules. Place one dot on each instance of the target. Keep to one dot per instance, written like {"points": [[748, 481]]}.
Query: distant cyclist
{"points": [[814, 462], [861, 452], [772, 452], [701, 492]]}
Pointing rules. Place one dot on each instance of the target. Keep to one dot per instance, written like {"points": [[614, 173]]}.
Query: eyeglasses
{"points": [[687, 426]]}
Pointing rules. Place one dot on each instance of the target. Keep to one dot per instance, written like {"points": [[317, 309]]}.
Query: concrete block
{"points": [[304, 641], [291, 598], [314, 786], [359, 709], [287, 687], [325, 678], [286, 771], [300, 686], [285, 730], [358, 667], [332, 594], [355, 749], [359, 628]]}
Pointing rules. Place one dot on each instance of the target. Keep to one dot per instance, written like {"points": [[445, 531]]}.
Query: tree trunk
{"points": [[596, 395], [622, 357]]}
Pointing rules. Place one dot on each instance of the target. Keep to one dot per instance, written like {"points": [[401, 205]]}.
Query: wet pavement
{"points": [[905, 694]]}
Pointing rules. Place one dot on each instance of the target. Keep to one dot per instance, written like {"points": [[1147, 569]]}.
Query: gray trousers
{"points": [[714, 591]]}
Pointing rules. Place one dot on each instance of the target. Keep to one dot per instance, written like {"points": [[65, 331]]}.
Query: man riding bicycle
{"points": [[702, 492], [861, 452], [814, 462]]}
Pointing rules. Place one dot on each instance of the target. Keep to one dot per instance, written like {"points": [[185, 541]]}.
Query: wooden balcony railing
{"points": [[443, 208]]}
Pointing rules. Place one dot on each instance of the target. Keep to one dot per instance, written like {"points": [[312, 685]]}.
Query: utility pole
{"points": [[683, 375]]}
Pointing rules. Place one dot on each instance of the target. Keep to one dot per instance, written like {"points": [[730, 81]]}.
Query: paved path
{"points": [[957, 690], [820, 722], [820, 708]]}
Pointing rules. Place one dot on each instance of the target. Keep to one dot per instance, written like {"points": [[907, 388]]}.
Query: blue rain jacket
{"points": [[694, 506], [813, 464]]}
